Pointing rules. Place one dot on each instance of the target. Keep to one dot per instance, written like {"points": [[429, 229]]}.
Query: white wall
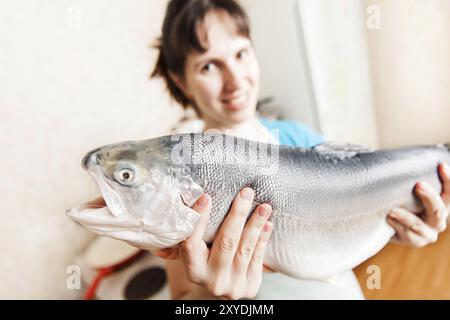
{"points": [[381, 86], [285, 74], [336, 46], [315, 63], [66, 88], [410, 57]]}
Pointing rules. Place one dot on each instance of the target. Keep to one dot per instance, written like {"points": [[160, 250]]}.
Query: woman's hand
{"points": [[418, 230], [233, 267]]}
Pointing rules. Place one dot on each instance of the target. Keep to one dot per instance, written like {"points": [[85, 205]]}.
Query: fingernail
{"points": [[415, 228], [202, 201], [393, 214], [268, 226], [392, 222], [247, 193], [420, 188], [264, 211], [446, 170]]}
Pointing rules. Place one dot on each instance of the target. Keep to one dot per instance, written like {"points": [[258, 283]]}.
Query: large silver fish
{"points": [[329, 202]]}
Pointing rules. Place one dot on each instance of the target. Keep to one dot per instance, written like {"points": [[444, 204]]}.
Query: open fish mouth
{"points": [[99, 219]]}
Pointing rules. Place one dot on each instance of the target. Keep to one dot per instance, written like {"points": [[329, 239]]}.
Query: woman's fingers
{"points": [[202, 206], [167, 253], [444, 173], [193, 250], [226, 242], [268, 269], [250, 236], [402, 237], [416, 231], [214, 269], [410, 229], [435, 210], [256, 262]]}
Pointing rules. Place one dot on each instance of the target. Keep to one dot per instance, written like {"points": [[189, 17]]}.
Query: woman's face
{"points": [[223, 82]]}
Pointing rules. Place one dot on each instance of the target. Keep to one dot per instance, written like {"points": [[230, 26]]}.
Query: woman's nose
{"points": [[234, 77]]}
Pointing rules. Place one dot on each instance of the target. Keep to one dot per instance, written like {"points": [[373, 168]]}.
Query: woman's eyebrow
{"points": [[208, 58], [202, 61], [244, 46]]}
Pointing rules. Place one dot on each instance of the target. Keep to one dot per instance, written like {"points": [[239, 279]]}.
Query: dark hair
{"points": [[179, 37]]}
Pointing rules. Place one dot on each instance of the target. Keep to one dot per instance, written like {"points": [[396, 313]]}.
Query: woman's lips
{"points": [[235, 103]]}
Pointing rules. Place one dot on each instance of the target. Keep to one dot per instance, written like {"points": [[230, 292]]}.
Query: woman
{"points": [[207, 60]]}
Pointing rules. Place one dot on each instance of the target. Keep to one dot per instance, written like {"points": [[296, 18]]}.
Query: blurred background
{"points": [[75, 75]]}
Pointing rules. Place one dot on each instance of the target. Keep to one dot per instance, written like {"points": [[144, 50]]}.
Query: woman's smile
{"points": [[235, 102]]}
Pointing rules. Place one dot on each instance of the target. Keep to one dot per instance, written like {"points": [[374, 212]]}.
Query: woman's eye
{"points": [[208, 67], [124, 175], [242, 54]]}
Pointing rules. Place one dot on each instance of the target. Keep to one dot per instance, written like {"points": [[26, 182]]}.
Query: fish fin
{"points": [[341, 150]]}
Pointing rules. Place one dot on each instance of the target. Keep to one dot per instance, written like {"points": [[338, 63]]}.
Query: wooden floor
{"points": [[410, 273]]}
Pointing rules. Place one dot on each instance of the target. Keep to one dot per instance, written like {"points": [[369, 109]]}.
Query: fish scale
{"points": [[329, 202]]}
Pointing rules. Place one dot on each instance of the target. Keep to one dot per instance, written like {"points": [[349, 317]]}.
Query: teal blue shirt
{"points": [[293, 133]]}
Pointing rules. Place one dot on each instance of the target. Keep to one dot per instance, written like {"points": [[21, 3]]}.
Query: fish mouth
{"points": [[90, 159], [101, 220], [110, 196]]}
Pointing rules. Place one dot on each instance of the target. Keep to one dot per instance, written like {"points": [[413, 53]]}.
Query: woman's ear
{"points": [[179, 82]]}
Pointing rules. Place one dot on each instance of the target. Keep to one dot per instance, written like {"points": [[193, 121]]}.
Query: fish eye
{"points": [[124, 175]]}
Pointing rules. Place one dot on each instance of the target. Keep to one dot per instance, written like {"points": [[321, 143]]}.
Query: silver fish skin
{"points": [[329, 202]]}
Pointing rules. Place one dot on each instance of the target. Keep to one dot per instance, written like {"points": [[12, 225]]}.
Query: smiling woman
{"points": [[219, 78], [207, 60], [222, 82]]}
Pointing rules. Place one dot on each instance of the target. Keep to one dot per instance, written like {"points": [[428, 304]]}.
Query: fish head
{"points": [[147, 195]]}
